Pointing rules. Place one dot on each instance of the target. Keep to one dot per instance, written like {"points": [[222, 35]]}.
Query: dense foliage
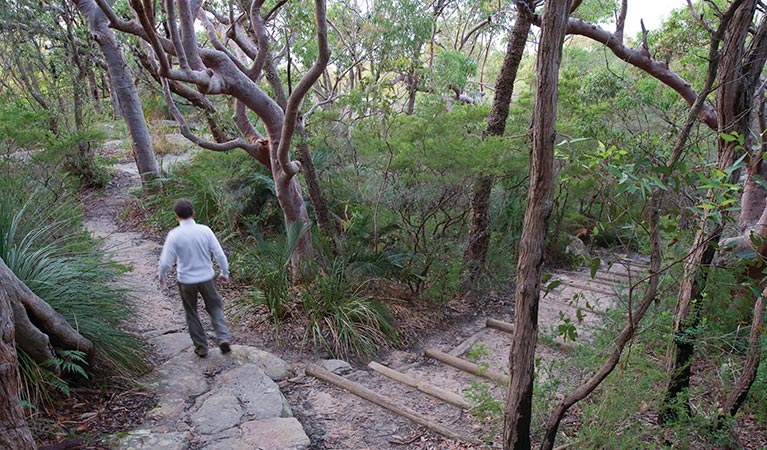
{"points": [[396, 131]]}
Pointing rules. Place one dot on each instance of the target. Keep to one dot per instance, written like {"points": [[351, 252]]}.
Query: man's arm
{"points": [[167, 259], [218, 253]]}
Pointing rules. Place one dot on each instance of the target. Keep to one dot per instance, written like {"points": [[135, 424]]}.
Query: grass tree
{"points": [[235, 72]]}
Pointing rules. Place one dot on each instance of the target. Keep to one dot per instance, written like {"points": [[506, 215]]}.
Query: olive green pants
{"points": [[213, 305]]}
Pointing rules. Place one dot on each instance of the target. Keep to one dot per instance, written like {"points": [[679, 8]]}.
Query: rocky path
{"points": [[222, 402]]}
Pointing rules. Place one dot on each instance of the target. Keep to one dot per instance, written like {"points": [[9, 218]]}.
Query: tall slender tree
{"points": [[518, 408], [475, 254], [122, 84]]}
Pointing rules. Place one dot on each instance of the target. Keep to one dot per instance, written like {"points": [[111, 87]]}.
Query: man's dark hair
{"points": [[183, 208]]}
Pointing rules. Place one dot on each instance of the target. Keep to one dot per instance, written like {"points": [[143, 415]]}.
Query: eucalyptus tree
{"points": [[518, 408], [736, 58], [14, 431], [233, 66], [479, 233], [737, 61], [121, 80]]}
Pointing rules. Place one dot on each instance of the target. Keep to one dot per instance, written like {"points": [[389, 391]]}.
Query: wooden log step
{"points": [[468, 343], [507, 327], [426, 388], [377, 399], [500, 325], [467, 366], [606, 278], [587, 288]]}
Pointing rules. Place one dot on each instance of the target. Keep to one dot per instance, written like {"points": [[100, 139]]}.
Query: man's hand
{"points": [[163, 284], [222, 279]]}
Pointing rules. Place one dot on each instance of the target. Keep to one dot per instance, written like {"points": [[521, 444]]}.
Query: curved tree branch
{"points": [[175, 36], [262, 40], [642, 60], [187, 132], [188, 36], [294, 101], [260, 145]]}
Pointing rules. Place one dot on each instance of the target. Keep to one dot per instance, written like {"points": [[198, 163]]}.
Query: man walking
{"points": [[189, 246]]}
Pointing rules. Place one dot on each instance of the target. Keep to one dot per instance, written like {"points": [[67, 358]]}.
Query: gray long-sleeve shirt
{"points": [[189, 246]]}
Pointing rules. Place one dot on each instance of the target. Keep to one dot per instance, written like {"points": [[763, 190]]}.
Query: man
{"points": [[189, 246]]}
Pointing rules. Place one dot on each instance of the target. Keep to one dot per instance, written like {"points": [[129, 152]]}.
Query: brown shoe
{"points": [[225, 348], [201, 351]]}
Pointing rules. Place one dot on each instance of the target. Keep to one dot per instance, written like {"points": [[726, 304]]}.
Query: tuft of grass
{"points": [[343, 318], [45, 247], [265, 266]]}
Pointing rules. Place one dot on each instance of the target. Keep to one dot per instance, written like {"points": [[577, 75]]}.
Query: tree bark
{"points": [[475, 254], [753, 356], [325, 223], [38, 325], [735, 112], [124, 89], [518, 408], [14, 432]]}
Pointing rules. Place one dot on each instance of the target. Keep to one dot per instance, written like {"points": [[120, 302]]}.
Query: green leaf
{"points": [[663, 170], [729, 137], [551, 286], [747, 254], [595, 264]]}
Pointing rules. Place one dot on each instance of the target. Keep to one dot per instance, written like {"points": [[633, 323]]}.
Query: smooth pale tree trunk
{"points": [[124, 89], [475, 254], [518, 408], [14, 432]]}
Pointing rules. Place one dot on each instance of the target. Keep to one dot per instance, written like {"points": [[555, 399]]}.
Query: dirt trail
{"points": [[336, 419], [155, 312]]}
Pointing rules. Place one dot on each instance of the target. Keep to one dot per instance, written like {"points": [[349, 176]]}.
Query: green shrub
{"points": [[231, 193], [43, 243], [265, 267]]}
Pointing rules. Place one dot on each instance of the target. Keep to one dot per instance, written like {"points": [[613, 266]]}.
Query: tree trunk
{"points": [[124, 89], [38, 325], [328, 227], [518, 409], [479, 229], [735, 111], [753, 356], [116, 108], [13, 429]]}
